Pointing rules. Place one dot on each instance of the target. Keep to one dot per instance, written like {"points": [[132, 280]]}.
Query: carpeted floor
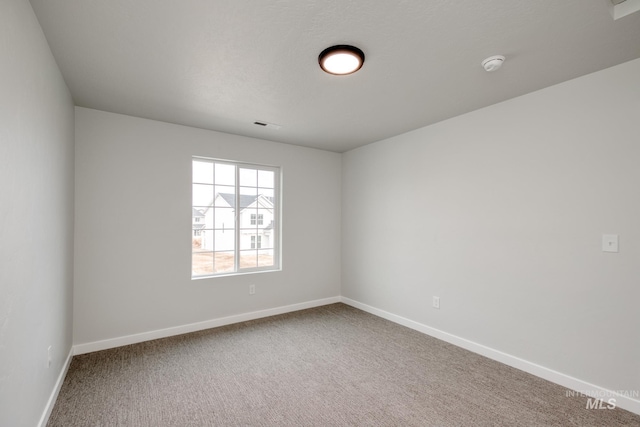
{"points": [[327, 366]]}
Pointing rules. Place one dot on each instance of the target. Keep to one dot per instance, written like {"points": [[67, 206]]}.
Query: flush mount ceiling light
{"points": [[341, 59]]}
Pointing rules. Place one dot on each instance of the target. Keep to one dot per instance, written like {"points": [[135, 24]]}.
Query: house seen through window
{"points": [[235, 218]]}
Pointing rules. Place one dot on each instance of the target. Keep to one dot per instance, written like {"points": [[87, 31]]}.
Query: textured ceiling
{"points": [[224, 64]]}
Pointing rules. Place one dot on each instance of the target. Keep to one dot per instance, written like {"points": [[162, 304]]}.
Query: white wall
{"points": [[500, 213], [133, 227], [36, 217]]}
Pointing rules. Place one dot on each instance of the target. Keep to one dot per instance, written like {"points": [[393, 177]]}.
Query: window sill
{"points": [[239, 273]]}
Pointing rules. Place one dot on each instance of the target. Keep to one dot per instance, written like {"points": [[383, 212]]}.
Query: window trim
{"points": [[277, 218]]}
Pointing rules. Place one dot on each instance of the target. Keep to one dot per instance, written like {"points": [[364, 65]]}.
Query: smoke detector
{"points": [[492, 63]]}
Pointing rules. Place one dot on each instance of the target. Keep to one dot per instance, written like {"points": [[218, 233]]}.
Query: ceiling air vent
{"points": [[622, 8], [271, 126]]}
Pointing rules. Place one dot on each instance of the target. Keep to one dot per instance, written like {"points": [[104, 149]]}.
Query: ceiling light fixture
{"points": [[341, 59]]}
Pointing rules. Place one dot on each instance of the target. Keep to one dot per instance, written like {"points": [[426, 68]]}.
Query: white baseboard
{"points": [[574, 384], [44, 419], [193, 327]]}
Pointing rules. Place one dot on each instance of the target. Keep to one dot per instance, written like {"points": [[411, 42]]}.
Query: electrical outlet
{"points": [[49, 356], [436, 302], [252, 289]]}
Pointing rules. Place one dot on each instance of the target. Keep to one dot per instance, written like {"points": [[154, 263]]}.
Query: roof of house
{"points": [[245, 200], [196, 213]]}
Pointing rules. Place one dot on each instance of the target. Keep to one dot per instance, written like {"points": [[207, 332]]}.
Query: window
{"points": [[257, 219], [231, 203], [256, 242]]}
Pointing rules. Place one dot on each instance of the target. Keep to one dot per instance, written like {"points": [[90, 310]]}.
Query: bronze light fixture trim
{"points": [[341, 59]]}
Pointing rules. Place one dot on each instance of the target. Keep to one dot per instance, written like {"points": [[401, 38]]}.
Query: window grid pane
{"points": [[265, 179], [224, 262], [202, 264], [265, 258], [202, 172], [248, 259]]}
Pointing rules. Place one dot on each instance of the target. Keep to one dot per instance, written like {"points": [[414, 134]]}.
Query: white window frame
{"points": [[276, 233]]}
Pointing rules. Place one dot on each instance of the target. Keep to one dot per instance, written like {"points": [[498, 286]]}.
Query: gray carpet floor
{"points": [[327, 366]]}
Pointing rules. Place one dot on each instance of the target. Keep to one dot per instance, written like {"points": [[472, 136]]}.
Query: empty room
{"points": [[319, 213]]}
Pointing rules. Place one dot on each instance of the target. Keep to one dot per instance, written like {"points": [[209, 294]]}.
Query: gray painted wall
{"points": [[36, 217], [133, 227], [500, 213]]}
